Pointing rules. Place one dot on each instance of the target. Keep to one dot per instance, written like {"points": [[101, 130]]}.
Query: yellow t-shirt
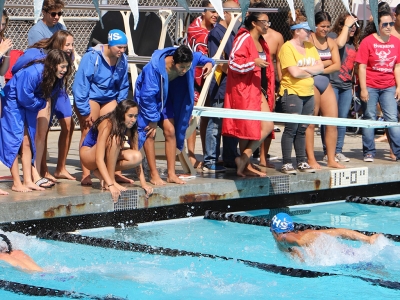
{"points": [[289, 56]]}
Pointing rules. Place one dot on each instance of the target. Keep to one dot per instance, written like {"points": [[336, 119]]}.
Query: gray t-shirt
{"points": [[342, 79], [41, 31]]}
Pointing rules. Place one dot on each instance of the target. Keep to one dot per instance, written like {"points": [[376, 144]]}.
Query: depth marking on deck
{"points": [[349, 177]]}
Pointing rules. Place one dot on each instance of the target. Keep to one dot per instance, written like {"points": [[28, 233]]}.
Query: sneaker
{"points": [[277, 129], [288, 169], [369, 158], [213, 169], [305, 167], [341, 157], [230, 166], [325, 159], [270, 157]]}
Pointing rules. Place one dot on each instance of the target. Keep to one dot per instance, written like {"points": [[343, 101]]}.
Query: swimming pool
{"points": [[136, 275]]}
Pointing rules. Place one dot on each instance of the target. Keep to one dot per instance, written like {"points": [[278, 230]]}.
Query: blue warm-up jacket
{"points": [[20, 106], [153, 82], [96, 81]]}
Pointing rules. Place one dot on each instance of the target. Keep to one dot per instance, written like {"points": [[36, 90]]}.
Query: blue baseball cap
{"points": [[281, 223], [117, 37], [303, 25]]}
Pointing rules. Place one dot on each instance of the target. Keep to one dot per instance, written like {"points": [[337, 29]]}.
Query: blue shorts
{"points": [[168, 111], [63, 108]]}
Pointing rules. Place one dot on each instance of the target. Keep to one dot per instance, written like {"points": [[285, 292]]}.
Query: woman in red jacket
{"points": [[250, 86]]}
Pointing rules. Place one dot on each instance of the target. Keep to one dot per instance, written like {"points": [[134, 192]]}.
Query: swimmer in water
{"points": [[288, 240], [16, 258]]}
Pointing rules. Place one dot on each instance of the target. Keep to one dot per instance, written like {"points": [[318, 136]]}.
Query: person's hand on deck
{"points": [[207, 69], [148, 189], [88, 120], [115, 193]]}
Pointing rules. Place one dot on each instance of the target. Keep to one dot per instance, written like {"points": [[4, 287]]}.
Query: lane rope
{"points": [[135, 247], [32, 290], [259, 221], [372, 201]]}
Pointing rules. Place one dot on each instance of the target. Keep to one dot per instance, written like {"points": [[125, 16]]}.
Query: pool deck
{"points": [[69, 198]]}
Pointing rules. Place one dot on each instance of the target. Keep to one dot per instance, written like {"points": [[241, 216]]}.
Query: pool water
{"points": [[100, 272]]}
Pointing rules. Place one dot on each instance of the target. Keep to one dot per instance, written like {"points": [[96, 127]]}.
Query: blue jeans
{"points": [[388, 104], [343, 98], [213, 140]]}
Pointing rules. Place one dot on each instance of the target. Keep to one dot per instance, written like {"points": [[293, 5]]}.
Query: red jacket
{"points": [[243, 88], [197, 39]]}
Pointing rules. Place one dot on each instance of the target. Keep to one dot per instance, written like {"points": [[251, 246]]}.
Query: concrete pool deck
{"points": [[69, 198]]}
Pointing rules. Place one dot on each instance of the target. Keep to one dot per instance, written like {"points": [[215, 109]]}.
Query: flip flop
{"points": [[43, 181]]}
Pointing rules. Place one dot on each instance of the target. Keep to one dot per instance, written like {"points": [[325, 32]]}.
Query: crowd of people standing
{"points": [[313, 73]]}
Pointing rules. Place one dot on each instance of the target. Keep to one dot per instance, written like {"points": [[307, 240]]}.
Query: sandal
{"points": [[44, 183]]}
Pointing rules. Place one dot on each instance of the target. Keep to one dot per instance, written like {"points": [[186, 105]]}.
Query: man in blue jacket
{"points": [[165, 94]]}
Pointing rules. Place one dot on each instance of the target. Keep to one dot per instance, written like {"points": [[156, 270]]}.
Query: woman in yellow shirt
{"points": [[299, 62]]}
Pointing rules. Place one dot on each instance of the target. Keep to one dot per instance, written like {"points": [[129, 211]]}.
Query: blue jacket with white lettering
{"points": [[95, 80]]}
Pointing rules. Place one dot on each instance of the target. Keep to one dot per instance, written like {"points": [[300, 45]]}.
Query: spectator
{"points": [[346, 35], [250, 86], [43, 29], [100, 83], [62, 40], [274, 41], [102, 149], [379, 73], [324, 96], [217, 95], [197, 41], [165, 91], [5, 47], [299, 62], [25, 94]]}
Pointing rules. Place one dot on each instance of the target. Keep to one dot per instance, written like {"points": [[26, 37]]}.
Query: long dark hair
{"points": [[253, 16], [338, 27], [117, 120], [50, 80], [57, 41]]}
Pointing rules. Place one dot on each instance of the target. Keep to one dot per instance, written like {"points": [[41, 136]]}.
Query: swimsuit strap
{"points": [[5, 238]]}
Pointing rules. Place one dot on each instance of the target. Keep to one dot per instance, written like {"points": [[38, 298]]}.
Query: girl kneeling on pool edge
{"points": [[103, 152]]}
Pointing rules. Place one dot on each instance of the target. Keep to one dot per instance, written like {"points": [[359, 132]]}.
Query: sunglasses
{"points": [[265, 22], [386, 24], [54, 14]]}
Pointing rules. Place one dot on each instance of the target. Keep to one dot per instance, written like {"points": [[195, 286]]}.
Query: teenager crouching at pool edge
{"points": [[103, 152]]}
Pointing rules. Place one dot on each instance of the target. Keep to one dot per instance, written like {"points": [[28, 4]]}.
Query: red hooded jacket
{"points": [[243, 88]]}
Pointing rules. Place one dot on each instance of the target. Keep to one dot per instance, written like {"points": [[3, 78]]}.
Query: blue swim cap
{"points": [[116, 38], [282, 223]]}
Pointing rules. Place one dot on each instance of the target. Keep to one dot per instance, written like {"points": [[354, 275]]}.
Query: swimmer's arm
{"points": [[316, 69], [347, 234], [298, 72]]}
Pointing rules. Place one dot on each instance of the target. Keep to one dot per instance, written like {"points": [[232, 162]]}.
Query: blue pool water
{"points": [[98, 271]]}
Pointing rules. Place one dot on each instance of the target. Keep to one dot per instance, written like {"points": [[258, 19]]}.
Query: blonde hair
{"points": [[300, 18]]}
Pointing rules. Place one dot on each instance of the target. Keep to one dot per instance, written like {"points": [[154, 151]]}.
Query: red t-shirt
{"points": [[380, 59]]}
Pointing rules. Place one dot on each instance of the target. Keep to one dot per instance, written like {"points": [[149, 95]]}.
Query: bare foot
{"points": [[174, 179], [3, 192], [335, 164], [86, 181], [20, 188], [123, 179], [393, 157], [64, 174], [314, 165], [50, 177], [196, 163], [34, 187], [255, 171], [241, 165], [156, 180]]}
